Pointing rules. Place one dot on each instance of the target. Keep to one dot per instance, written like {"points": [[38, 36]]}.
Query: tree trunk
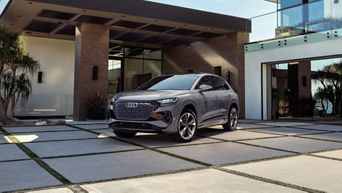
{"points": [[322, 103], [3, 112], [14, 106], [338, 106], [341, 108]]}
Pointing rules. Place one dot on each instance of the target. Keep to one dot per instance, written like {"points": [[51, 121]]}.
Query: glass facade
{"points": [[114, 77], [297, 17], [288, 3], [307, 88], [130, 67], [307, 16]]}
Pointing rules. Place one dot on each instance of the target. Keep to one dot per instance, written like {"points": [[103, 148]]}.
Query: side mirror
{"points": [[205, 87]]}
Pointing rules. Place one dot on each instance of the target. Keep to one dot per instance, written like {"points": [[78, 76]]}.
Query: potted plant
{"points": [[96, 105]]}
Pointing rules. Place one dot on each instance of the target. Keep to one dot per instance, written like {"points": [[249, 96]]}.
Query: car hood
{"points": [[148, 95]]}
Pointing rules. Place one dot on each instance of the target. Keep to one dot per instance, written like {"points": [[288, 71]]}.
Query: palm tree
{"points": [[320, 96], [330, 78], [15, 68]]}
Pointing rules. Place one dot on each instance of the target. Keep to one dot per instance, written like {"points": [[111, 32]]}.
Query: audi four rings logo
{"points": [[132, 105]]}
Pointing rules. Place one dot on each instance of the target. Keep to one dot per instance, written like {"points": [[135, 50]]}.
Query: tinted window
{"points": [[288, 3], [172, 82], [220, 84], [207, 80], [226, 86]]}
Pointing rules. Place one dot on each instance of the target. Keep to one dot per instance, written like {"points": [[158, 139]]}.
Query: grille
{"points": [[141, 113]]}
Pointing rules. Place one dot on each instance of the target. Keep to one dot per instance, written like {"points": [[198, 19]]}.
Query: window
{"points": [[170, 82], [207, 80], [155, 54], [288, 3], [218, 70], [40, 77], [220, 84]]}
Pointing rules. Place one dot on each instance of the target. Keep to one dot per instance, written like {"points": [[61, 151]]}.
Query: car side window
{"points": [[220, 84], [207, 80], [226, 85]]}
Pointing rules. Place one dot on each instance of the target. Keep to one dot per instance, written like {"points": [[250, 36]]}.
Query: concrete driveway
{"points": [[258, 157]]}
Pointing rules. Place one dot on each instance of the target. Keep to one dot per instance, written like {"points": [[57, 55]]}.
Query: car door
{"points": [[207, 100], [222, 95]]}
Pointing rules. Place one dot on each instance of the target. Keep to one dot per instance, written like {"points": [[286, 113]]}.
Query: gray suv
{"points": [[176, 104]]}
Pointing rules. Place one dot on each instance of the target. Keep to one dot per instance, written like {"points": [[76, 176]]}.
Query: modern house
{"points": [[292, 72], [88, 47]]}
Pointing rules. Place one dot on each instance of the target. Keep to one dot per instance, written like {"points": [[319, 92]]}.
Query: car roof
{"points": [[184, 74]]}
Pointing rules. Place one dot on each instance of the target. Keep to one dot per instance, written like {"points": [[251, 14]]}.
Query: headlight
{"points": [[113, 100], [167, 102]]}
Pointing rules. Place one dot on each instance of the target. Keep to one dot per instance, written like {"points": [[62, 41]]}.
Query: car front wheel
{"points": [[232, 123], [187, 126]]}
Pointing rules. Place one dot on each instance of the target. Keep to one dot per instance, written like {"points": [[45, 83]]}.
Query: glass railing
{"points": [[318, 16]]}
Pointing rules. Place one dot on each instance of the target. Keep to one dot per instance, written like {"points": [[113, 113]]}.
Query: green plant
{"points": [[15, 67], [96, 101], [96, 105], [330, 78], [321, 96]]}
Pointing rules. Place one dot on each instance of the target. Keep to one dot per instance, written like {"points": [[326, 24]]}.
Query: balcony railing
{"points": [[318, 16]]}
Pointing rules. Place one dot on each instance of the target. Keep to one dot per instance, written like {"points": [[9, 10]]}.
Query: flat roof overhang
{"points": [[132, 22]]}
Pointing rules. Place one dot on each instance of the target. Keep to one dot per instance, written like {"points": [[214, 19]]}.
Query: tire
{"points": [[232, 123], [187, 126], [124, 134]]}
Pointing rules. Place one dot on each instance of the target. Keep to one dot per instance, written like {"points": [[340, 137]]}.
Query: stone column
{"points": [[92, 44], [242, 38]]}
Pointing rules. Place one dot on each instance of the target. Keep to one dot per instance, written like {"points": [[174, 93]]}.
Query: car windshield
{"points": [[170, 82]]}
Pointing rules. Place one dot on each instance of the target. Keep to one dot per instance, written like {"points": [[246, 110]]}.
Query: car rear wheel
{"points": [[124, 134], [232, 123], [187, 126]]}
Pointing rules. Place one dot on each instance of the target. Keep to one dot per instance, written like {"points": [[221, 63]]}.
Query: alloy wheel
{"points": [[187, 126], [233, 118]]}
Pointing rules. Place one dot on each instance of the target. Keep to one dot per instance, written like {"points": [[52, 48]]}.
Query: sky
{"points": [[240, 8], [2, 5], [262, 27]]}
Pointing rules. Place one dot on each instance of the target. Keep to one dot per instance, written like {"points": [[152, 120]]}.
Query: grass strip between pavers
{"points": [[325, 157], [269, 180], [208, 165], [318, 139], [77, 188], [36, 158], [146, 147]]}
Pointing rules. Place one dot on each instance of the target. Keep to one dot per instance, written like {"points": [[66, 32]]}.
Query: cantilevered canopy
{"points": [[130, 21]]}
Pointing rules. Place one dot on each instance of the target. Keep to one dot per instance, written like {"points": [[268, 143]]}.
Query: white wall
{"points": [[333, 10], [54, 96], [253, 61]]}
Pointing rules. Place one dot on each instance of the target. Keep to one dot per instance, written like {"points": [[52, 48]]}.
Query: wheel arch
{"points": [[236, 105], [191, 107]]}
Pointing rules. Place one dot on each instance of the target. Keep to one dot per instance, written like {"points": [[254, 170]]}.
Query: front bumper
{"points": [[162, 120]]}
